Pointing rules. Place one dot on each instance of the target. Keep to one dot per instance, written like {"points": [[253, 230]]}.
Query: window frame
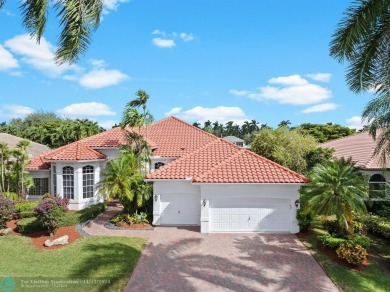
{"points": [[88, 181], [68, 182]]}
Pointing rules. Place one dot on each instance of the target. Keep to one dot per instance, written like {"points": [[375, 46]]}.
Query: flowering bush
{"points": [[7, 210], [50, 212], [352, 253]]}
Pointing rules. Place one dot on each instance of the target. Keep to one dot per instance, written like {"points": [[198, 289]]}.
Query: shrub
{"points": [[361, 240], [330, 241], [353, 254], [26, 214], [304, 220], [130, 219], [10, 195], [22, 206], [378, 225], [7, 210], [359, 228], [50, 213], [28, 225], [331, 225]]}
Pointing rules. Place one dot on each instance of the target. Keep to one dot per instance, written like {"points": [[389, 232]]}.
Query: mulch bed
{"points": [[38, 238]]}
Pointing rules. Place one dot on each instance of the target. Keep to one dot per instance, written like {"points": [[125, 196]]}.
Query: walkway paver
{"points": [[183, 259]]}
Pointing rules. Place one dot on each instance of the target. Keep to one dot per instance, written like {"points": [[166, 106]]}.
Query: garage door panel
{"points": [[180, 209], [250, 214]]}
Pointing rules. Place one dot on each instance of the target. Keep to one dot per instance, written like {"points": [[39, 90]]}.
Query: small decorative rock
{"points": [[6, 231], [63, 240]]}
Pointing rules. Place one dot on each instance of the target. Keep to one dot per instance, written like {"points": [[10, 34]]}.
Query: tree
{"points": [[362, 40], [4, 155], [22, 160], [336, 188], [284, 123], [325, 132], [78, 19]]}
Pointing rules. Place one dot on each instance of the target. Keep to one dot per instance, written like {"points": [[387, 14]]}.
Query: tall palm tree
{"points": [[336, 188], [78, 19], [22, 160], [362, 39], [4, 154]]}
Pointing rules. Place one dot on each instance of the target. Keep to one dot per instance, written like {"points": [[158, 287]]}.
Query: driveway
{"points": [[182, 259]]}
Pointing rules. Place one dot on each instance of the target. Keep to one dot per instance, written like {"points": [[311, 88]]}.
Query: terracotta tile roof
{"points": [[223, 162], [38, 163], [359, 147], [74, 151]]}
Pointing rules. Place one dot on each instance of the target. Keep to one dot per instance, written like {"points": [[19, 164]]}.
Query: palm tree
{"points": [[362, 40], [196, 124], [4, 154], [284, 123], [78, 19], [336, 188], [22, 160]]}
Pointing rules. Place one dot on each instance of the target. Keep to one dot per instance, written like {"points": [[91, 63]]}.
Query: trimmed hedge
{"points": [[26, 214], [28, 225], [335, 242], [378, 225], [22, 206]]}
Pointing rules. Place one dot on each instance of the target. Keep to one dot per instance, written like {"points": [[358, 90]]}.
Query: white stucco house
{"points": [[237, 141], [198, 179]]}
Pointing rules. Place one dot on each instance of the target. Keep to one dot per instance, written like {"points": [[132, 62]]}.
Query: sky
{"points": [[200, 60]]}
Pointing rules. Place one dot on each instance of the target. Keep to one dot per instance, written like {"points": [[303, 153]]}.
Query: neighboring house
{"points": [[237, 141], [198, 179], [360, 149]]}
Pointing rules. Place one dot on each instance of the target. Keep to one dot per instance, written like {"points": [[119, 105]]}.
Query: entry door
{"points": [[180, 209], [250, 214]]}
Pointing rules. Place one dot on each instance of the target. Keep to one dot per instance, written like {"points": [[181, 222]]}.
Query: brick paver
{"points": [[182, 259]]}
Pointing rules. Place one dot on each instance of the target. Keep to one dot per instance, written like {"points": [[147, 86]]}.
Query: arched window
{"points": [[157, 165], [68, 182], [377, 185], [88, 181]]}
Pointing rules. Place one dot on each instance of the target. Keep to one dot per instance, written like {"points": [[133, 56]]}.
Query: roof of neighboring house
{"points": [[233, 139], [38, 163], [222, 162], [359, 147], [201, 156], [33, 149]]}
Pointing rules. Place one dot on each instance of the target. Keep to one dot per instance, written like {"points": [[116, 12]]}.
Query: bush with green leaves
{"points": [[377, 225], [23, 205], [334, 242], [29, 225], [10, 195], [50, 213], [7, 210], [331, 225], [353, 253], [141, 218]]}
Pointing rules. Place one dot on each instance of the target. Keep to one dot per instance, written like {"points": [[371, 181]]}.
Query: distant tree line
{"points": [[49, 129]]}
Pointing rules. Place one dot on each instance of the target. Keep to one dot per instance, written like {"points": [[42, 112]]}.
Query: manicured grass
{"points": [[374, 277], [91, 258]]}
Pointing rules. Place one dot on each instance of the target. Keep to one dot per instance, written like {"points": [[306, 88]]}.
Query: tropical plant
{"points": [[7, 210], [50, 212], [78, 20], [336, 188], [352, 253]]}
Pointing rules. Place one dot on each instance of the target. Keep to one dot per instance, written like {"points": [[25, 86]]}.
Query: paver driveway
{"points": [[182, 259]]}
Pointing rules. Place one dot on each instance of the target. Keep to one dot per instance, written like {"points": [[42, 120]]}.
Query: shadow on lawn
{"points": [[120, 258]]}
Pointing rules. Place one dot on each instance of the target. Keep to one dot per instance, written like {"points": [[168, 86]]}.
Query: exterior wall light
{"points": [[155, 198], [204, 202], [297, 204]]}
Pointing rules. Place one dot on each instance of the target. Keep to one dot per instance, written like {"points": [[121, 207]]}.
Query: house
{"points": [[198, 179], [237, 141], [360, 149]]}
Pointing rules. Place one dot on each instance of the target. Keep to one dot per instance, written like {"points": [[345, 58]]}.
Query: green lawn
{"points": [[98, 259], [375, 276]]}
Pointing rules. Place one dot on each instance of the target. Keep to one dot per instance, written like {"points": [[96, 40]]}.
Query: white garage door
{"points": [[250, 214], [180, 209]]}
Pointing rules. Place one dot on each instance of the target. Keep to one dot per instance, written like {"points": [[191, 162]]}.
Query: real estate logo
{"points": [[7, 284]]}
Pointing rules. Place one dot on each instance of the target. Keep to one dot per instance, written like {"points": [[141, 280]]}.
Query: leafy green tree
{"points": [[78, 19], [284, 123], [336, 188], [325, 132]]}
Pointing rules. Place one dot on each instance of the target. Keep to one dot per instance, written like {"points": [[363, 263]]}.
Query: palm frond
{"points": [[34, 17], [2, 3]]}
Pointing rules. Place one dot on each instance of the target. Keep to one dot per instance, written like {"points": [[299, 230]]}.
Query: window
{"points": [[241, 144], [41, 187], [88, 181], [377, 186], [157, 165], [54, 180], [68, 182]]}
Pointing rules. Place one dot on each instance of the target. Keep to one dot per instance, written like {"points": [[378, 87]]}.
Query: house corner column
{"points": [[204, 215]]}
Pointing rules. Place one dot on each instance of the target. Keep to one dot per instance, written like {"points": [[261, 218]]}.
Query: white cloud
{"points": [[15, 111], [289, 80], [7, 61], [187, 37], [239, 92], [322, 77], [356, 122], [220, 113], [40, 56], [107, 124], [319, 108], [97, 63], [163, 43], [86, 109], [173, 111], [112, 5], [99, 78]]}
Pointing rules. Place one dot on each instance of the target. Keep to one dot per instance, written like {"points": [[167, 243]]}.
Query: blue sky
{"points": [[219, 60]]}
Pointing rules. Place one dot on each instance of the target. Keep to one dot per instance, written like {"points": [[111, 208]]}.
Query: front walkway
{"points": [[182, 259]]}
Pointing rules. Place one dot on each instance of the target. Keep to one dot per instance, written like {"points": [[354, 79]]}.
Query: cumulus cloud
{"points": [[15, 111], [356, 122], [187, 37], [163, 43], [112, 5], [220, 113], [40, 56], [173, 111], [293, 89], [86, 109], [99, 78], [322, 77], [319, 108], [7, 61]]}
